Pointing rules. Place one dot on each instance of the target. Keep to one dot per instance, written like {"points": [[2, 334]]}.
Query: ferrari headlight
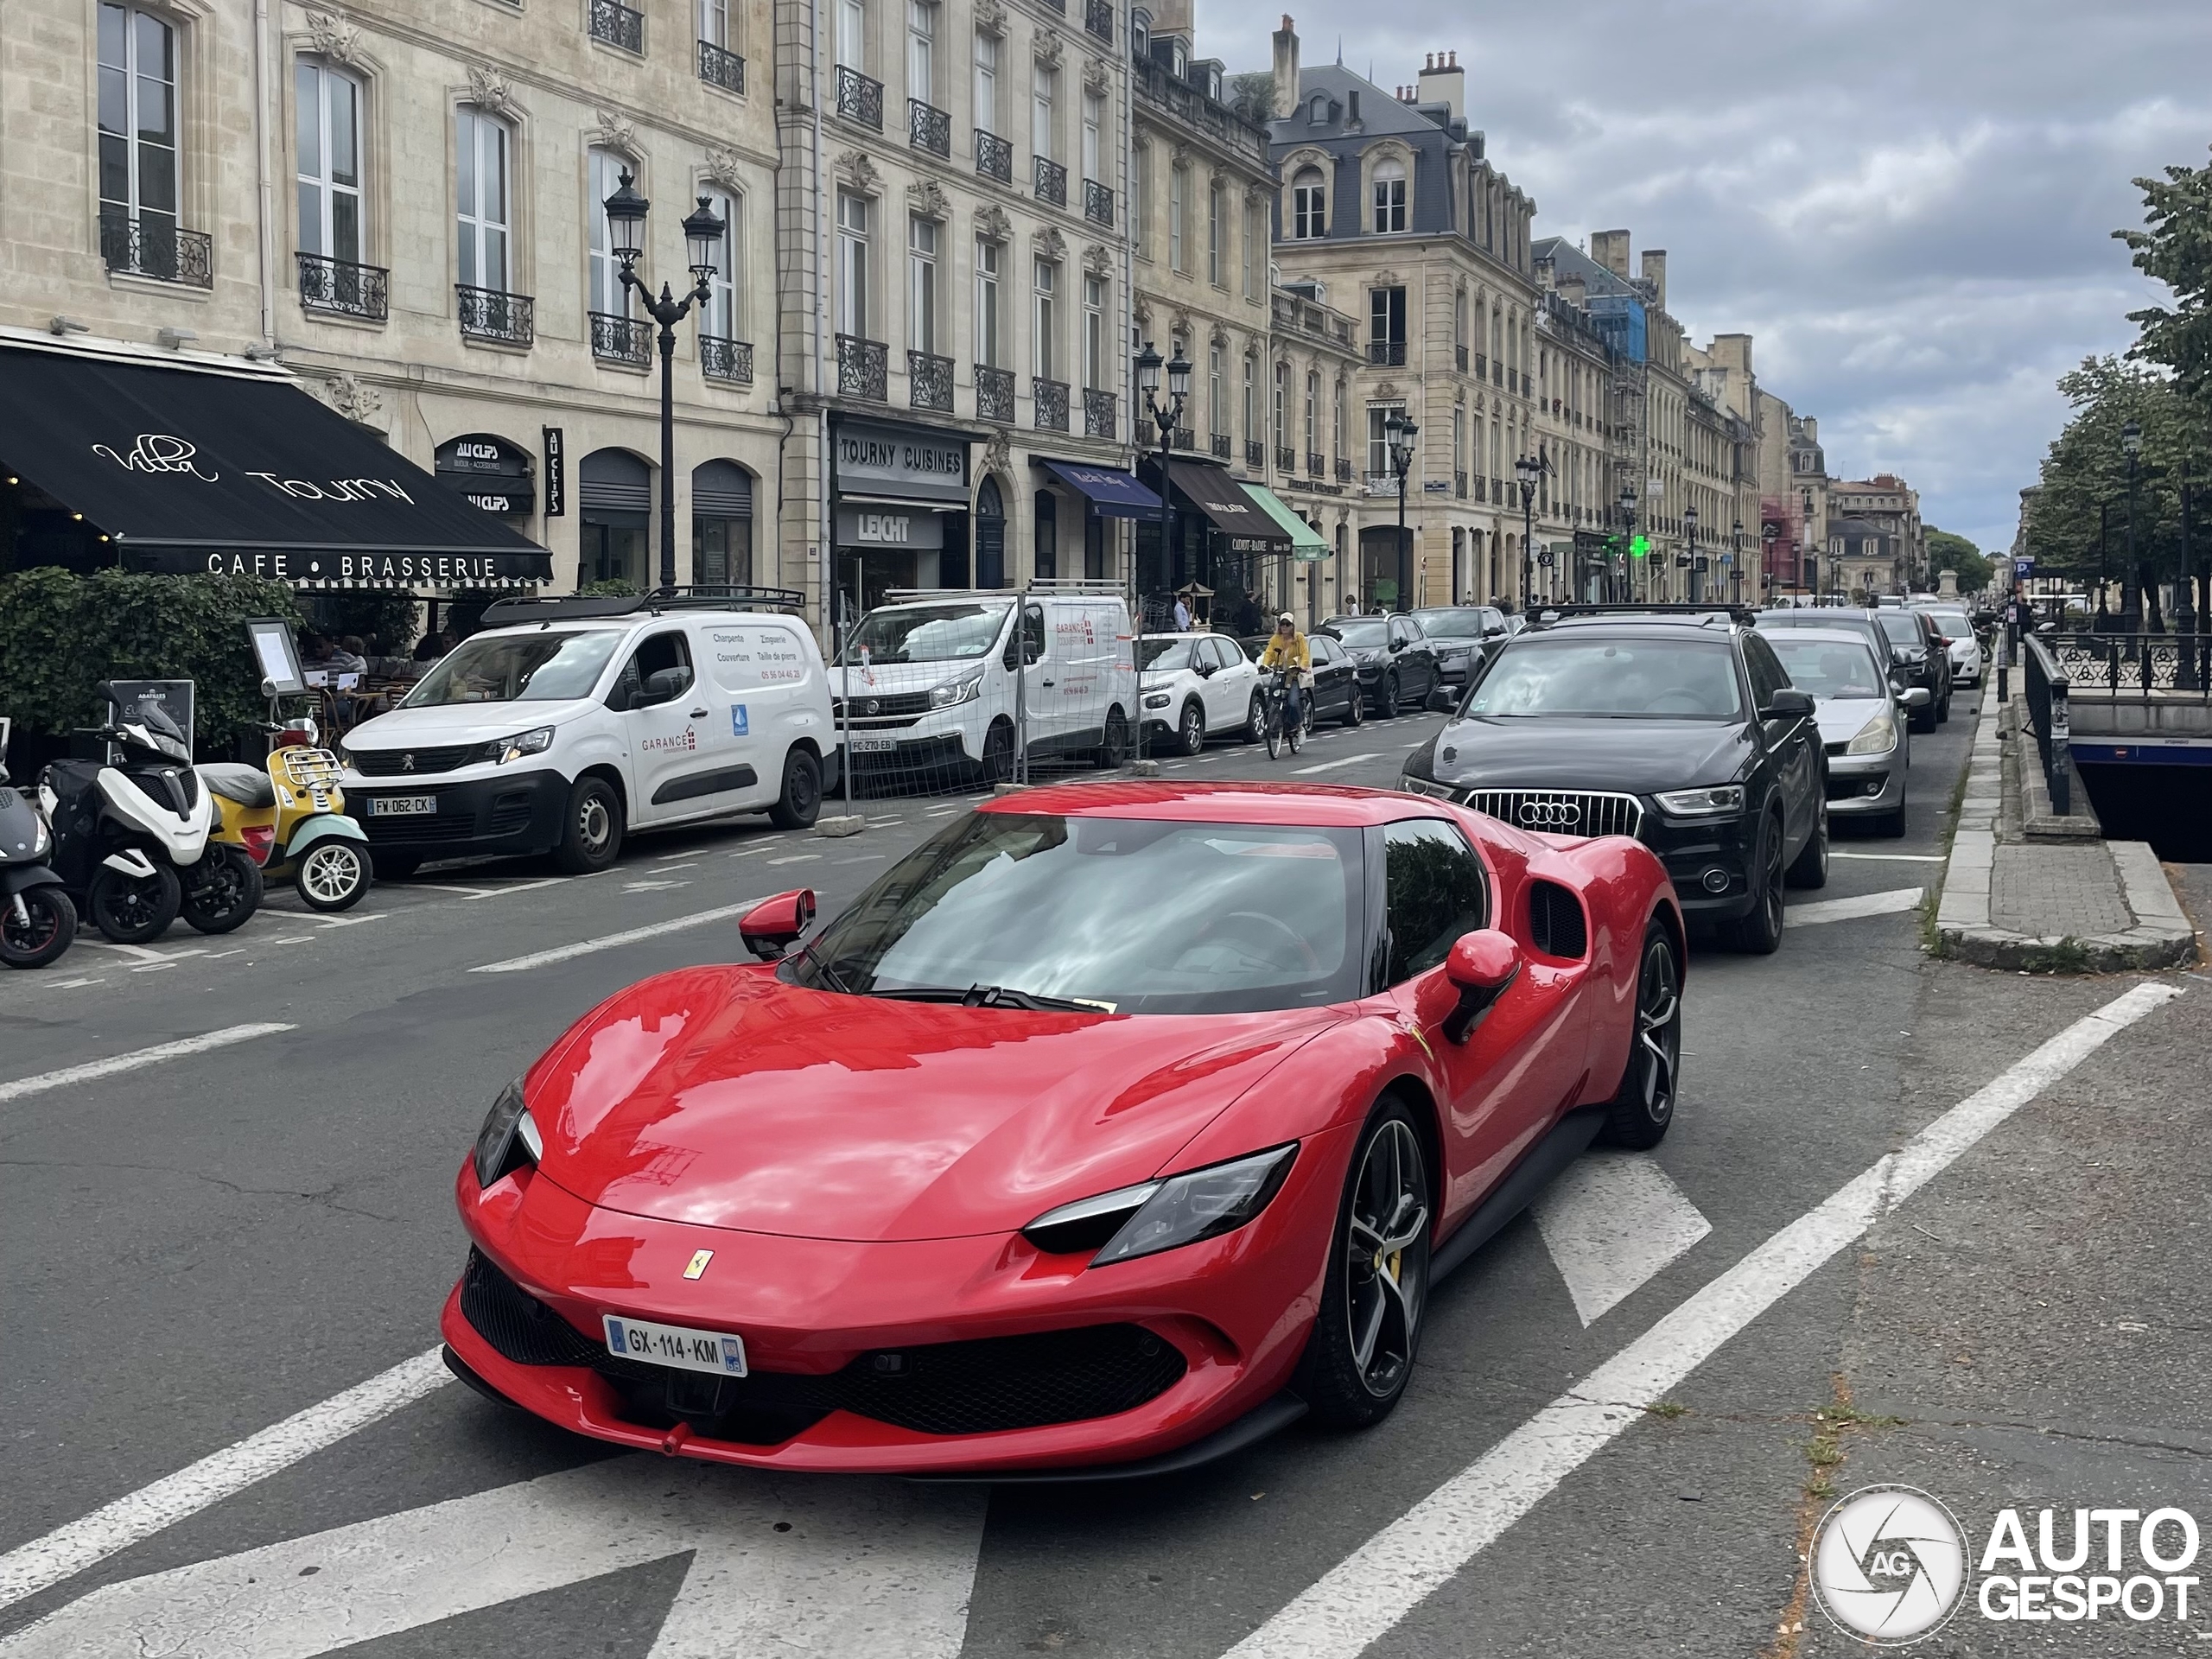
{"points": [[966, 689], [1155, 1216], [509, 1139], [1702, 802], [536, 741], [1878, 736]]}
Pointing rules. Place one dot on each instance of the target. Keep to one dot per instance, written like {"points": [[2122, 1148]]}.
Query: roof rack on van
{"points": [[1718, 612], [510, 613], [1071, 587]]}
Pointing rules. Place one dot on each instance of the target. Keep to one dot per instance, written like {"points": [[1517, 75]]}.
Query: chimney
{"points": [[1733, 352], [1573, 291], [1610, 249], [1286, 68], [1654, 272], [1442, 82]]}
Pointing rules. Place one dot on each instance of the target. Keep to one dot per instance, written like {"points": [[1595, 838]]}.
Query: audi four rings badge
{"points": [[1550, 815]]}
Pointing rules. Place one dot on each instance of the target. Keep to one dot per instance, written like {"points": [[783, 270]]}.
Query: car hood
{"points": [[885, 679], [444, 724], [1842, 719], [721, 1097], [1637, 757]]}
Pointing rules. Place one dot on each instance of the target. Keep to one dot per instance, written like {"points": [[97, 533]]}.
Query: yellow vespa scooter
{"points": [[290, 816]]}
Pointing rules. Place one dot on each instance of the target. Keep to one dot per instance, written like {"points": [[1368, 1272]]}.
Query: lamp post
{"points": [[703, 232], [1689, 529], [2131, 617], [1736, 563], [1401, 433], [1628, 541], [1805, 546], [1525, 473], [1164, 418]]}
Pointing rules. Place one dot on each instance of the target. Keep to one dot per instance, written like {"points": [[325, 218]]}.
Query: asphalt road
{"points": [[199, 1247]]}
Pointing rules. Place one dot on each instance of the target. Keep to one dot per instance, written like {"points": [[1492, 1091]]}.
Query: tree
{"points": [[1253, 96], [1947, 551], [2177, 251]]}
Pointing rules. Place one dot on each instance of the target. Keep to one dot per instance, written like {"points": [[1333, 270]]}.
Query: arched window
{"points": [[615, 493], [1389, 196], [1309, 205], [1048, 536], [1282, 406], [1313, 420], [722, 525], [990, 536], [1141, 34], [723, 314], [1317, 113]]}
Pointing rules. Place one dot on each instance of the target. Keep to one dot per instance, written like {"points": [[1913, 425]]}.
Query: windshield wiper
{"points": [[996, 996]]}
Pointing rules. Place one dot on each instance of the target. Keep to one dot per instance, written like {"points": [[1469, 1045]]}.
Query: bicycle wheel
{"points": [[1275, 729], [1296, 732]]}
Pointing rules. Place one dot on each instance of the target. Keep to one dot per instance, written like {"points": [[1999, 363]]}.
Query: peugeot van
{"points": [[568, 722], [934, 689]]}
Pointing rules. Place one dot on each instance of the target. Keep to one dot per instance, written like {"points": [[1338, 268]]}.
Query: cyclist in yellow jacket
{"points": [[1287, 651]]}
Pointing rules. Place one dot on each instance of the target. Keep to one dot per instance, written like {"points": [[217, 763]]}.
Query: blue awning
{"points": [[1115, 494]]}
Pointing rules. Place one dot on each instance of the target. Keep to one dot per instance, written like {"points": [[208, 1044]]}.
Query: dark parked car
{"points": [[1463, 636], [1396, 662], [1683, 731], [1885, 634], [1334, 694]]}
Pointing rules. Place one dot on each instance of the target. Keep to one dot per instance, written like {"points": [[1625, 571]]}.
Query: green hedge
{"points": [[61, 634]]}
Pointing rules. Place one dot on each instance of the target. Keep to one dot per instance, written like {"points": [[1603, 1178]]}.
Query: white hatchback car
{"points": [[1956, 626], [1196, 683]]}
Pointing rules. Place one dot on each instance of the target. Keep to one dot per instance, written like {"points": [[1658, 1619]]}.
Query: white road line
{"points": [[1331, 766], [1891, 858], [1358, 1600], [153, 967], [776, 1568], [74, 984], [135, 1058], [329, 922], [531, 887], [608, 941], [1844, 910], [662, 869], [795, 858], [651, 886], [66, 1551], [135, 952], [1611, 1221]]}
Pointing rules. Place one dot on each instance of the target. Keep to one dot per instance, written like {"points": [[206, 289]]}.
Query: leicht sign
{"points": [[914, 527]]}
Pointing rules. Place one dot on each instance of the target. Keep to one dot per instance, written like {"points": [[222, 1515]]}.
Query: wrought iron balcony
{"points": [[928, 128], [720, 67], [1390, 352], [1052, 183], [1223, 446], [1255, 453], [723, 359], [862, 367], [860, 98], [1497, 374], [1316, 464], [151, 244], [617, 338], [1459, 485], [928, 380], [1051, 401], [616, 24], [1482, 366], [1147, 434], [1459, 353], [1286, 458], [994, 157], [344, 289], [1183, 438], [1344, 470], [1097, 414], [1098, 202], [1098, 18], [487, 313], [994, 394], [1497, 491]]}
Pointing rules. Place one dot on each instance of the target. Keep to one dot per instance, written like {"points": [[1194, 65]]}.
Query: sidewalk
{"points": [[2082, 905]]}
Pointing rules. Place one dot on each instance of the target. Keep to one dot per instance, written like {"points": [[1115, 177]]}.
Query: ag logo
{"points": [[1889, 1564]]}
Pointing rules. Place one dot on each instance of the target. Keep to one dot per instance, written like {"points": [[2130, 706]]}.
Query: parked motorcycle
{"points": [[289, 816], [37, 921]]}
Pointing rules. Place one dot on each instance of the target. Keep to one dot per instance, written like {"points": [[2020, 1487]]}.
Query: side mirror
{"points": [[770, 928], [1443, 700], [1482, 965], [1918, 696], [1203, 670], [1397, 644], [1788, 703]]}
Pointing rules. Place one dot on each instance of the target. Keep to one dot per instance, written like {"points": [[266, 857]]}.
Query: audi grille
{"points": [[1561, 812]]}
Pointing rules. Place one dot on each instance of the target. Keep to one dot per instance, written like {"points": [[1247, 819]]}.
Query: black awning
{"points": [[192, 470], [1221, 501]]}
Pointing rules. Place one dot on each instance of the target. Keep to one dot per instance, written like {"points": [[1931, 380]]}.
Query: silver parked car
{"points": [[1862, 721], [1957, 629]]}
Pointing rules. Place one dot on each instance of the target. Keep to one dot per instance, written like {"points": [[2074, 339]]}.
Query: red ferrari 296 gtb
{"points": [[1117, 1125]]}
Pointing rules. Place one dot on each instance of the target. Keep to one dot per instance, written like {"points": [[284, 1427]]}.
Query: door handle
{"points": [[698, 714], [1047, 682]]}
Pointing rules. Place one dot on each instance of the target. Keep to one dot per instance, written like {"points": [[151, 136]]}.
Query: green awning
{"points": [[1305, 541]]}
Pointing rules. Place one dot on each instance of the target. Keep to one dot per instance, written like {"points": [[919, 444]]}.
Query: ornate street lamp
{"points": [[1165, 419], [703, 233], [1690, 524], [1736, 563], [1526, 471], [1401, 434], [1628, 542], [2131, 619]]}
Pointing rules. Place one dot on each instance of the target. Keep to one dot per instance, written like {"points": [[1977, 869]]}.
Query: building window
{"points": [[1338, 425], [1386, 325], [852, 34], [1140, 35], [1213, 232], [987, 82], [921, 284], [1215, 408], [1046, 89], [1048, 536], [1312, 413], [480, 145], [329, 143], [1093, 119], [1046, 282], [1389, 196], [138, 122], [725, 310], [713, 23], [1144, 219], [852, 264], [608, 296], [1179, 181], [1282, 401], [1309, 202], [1316, 112], [1255, 244], [1378, 439], [1251, 399], [987, 304], [921, 50], [1096, 340]]}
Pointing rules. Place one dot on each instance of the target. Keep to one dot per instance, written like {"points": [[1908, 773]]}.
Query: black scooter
{"points": [[37, 921]]}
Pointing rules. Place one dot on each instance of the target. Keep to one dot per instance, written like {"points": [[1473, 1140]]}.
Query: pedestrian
{"points": [[1182, 615]]}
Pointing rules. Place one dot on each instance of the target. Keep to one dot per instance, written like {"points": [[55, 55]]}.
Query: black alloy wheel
{"points": [[1114, 750], [226, 888], [41, 932], [591, 834], [1760, 933], [1191, 734], [132, 909], [1810, 867], [1638, 1115], [1385, 702], [1355, 706], [998, 752], [800, 803], [1374, 1296]]}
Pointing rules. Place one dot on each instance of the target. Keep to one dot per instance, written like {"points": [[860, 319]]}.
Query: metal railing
{"points": [[1459, 485], [616, 24], [928, 380], [1097, 413], [1098, 18], [1098, 202], [1255, 453], [994, 157], [1389, 351], [346, 288], [1286, 458], [860, 98], [1221, 445], [863, 367], [1050, 398], [2167, 667], [994, 394], [1316, 464], [151, 245], [1052, 182], [929, 128], [723, 359], [1344, 470], [1459, 354], [487, 313], [1153, 82], [616, 339], [720, 67], [2047, 687], [1182, 437], [1147, 435]]}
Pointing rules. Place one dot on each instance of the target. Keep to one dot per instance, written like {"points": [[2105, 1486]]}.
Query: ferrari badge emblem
{"points": [[698, 1263]]}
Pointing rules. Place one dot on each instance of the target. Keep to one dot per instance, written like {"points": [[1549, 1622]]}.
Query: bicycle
{"points": [[1278, 730]]}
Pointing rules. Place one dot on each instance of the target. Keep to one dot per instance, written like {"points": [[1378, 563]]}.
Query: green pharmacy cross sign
{"points": [[1639, 547]]}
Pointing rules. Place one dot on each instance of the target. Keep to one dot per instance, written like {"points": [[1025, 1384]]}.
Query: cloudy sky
{"points": [[1907, 202]]}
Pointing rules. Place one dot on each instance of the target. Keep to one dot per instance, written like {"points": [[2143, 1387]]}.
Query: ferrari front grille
{"points": [[1561, 812], [522, 1328]]}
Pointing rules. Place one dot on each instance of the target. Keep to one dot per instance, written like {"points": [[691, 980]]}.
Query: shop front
{"points": [[1221, 542], [1076, 508], [898, 512]]}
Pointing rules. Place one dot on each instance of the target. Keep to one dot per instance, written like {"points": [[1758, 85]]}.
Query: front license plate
{"points": [[716, 1352], [402, 806], [875, 745]]}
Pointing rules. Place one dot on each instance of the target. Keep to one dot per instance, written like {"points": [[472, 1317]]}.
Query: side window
{"points": [[1435, 890], [1766, 671], [1232, 654], [657, 671], [1206, 653]]}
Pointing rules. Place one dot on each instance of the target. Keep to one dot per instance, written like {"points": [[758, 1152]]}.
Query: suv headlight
{"points": [[1702, 802], [535, 742], [1429, 786], [509, 1139], [1878, 736], [1156, 699], [966, 689], [1155, 1216]]}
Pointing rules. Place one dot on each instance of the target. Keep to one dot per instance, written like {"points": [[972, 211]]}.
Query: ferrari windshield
{"points": [[1131, 915], [547, 667], [928, 634], [1660, 679]]}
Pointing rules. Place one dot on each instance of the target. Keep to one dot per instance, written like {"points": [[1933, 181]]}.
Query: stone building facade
{"points": [[1876, 540]]}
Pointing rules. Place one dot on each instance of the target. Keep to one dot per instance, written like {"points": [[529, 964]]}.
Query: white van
{"points": [[568, 722], [934, 691]]}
